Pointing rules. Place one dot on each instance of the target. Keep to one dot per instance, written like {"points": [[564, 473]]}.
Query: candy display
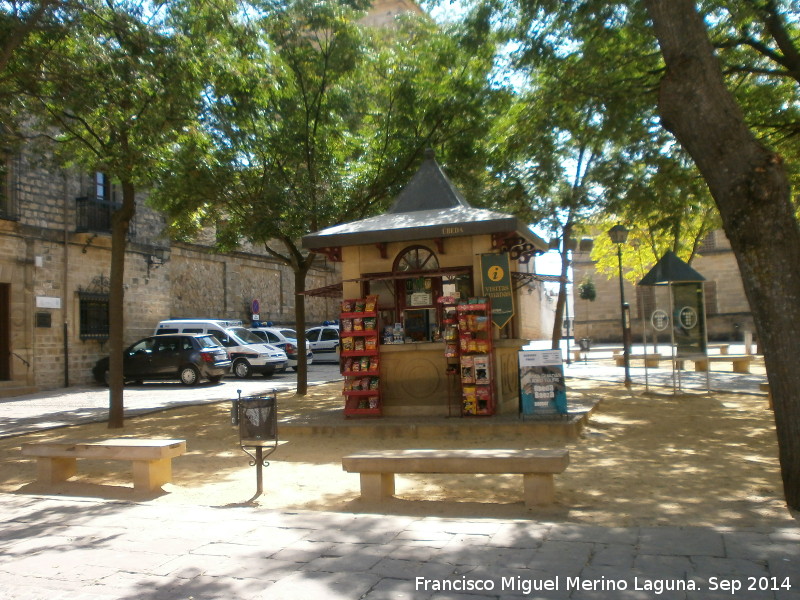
{"points": [[359, 357]]}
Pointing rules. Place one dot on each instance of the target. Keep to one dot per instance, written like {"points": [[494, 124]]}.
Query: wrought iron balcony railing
{"points": [[93, 215]]}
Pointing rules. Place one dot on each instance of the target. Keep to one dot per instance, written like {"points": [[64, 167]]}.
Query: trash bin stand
{"points": [[257, 420]]}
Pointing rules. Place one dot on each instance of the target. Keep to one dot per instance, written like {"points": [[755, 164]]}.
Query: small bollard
{"points": [[235, 408]]}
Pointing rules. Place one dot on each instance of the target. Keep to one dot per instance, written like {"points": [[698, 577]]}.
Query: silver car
{"points": [[323, 341]]}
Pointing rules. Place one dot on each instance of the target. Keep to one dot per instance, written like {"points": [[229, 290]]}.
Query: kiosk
{"points": [[413, 266]]}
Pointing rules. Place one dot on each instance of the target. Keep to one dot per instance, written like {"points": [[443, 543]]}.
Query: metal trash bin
{"points": [[257, 417], [585, 344]]}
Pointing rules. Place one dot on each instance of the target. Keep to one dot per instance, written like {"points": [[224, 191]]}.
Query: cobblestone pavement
{"points": [[80, 549]]}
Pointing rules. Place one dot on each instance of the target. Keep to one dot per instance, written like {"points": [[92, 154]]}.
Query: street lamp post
{"points": [[619, 236], [569, 246]]}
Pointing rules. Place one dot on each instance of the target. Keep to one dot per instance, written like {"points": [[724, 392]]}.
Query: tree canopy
{"points": [[118, 82], [719, 79], [320, 122]]}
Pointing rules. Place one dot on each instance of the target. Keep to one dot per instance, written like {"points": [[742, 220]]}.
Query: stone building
{"points": [[728, 314], [383, 13], [55, 254]]}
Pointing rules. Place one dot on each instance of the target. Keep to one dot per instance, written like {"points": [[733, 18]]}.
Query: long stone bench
{"points": [[740, 362], [151, 458], [579, 354], [377, 468]]}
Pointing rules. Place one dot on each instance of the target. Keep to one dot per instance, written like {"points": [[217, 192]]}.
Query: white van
{"points": [[247, 352]]}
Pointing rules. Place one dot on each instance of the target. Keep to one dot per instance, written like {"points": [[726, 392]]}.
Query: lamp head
{"points": [[618, 234]]}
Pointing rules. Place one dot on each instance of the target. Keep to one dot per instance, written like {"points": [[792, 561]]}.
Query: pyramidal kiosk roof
{"points": [[428, 207], [670, 269]]}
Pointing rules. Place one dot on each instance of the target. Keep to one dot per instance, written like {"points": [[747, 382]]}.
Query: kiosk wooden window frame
{"points": [[416, 260], [396, 282]]}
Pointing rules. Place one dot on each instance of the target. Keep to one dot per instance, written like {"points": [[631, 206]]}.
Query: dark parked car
{"points": [[185, 357]]}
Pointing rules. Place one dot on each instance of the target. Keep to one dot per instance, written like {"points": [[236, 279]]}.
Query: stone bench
{"points": [[579, 354], [740, 362], [764, 387], [377, 468], [151, 458], [650, 360]]}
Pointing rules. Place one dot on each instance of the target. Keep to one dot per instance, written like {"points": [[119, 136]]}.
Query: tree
{"points": [[46, 22], [319, 124], [755, 42], [111, 97], [651, 234], [749, 184], [547, 167], [657, 191]]}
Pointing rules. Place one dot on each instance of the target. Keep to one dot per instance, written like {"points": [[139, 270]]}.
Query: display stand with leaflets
{"points": [[543, 391], [360, 361], [476, 353], [451, 354]]}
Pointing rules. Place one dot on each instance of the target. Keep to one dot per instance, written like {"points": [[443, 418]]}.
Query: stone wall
{"points": [[536, 311], [206, 285], [43, 259]]}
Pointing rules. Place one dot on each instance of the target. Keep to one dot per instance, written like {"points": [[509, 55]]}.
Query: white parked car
{"points": [[324, 342], [285, 339]]}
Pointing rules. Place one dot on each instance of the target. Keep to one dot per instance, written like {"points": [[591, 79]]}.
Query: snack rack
{"points": [[476, 357], [360, 361]]}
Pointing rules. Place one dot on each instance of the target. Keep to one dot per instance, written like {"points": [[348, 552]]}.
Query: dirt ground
{"points": [[643, 460]]}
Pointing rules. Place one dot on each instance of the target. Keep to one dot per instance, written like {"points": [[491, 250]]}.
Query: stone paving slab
{"points": [[75, 548]]}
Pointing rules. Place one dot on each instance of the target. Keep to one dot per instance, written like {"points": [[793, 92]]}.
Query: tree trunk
{"points": [[751, 190], [562, 286], [300, 273], [120, 221]]}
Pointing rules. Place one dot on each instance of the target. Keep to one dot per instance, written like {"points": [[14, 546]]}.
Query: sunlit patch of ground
{"points": [[642, 460]]}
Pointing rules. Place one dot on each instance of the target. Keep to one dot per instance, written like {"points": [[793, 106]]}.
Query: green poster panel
{"points": [[496, 279], [688, 318]]}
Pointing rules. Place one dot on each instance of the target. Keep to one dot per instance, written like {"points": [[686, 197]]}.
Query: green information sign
{"points": [[496, 278]]}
